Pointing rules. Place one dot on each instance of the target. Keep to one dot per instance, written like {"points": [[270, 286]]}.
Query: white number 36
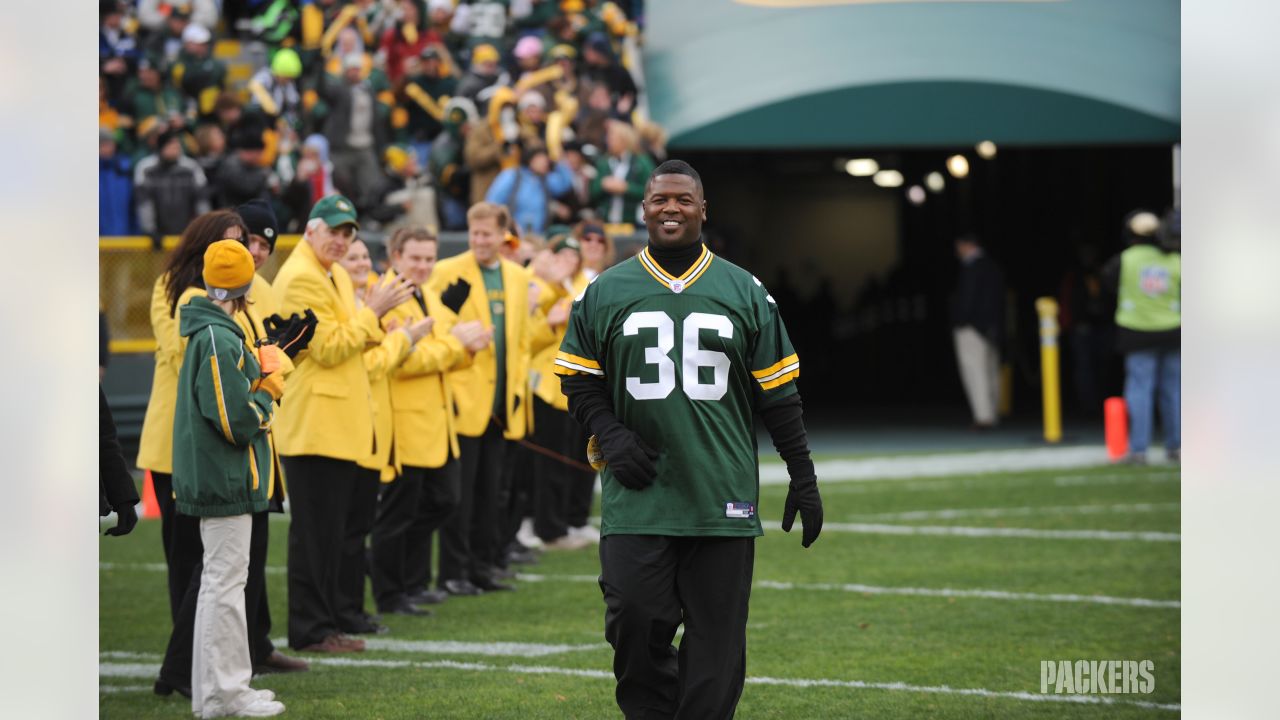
{"points": [[692, 356]]}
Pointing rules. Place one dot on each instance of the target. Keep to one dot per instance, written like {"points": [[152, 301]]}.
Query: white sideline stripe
{"points": [[108, 689], [456, 647], [995, 482], [880, 529], [952, 513], [926, 592], [161, 567], [123, 670], [987, 594], [971, 463]]}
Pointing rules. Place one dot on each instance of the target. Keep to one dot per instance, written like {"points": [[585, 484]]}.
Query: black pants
{"points": [[354, 566], [176, 669], [321, 490], [515, 495], [582, 483], [469, 537], [551, 477], [652, 584], [179, 567], [410, 510]]}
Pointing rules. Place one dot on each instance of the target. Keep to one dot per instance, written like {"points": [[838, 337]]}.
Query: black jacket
{"points": [[978, 301], [168, 194], [115, 485]]}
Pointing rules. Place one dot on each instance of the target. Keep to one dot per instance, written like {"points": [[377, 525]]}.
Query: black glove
{"points": [[804, 497], [629, 456], [291, 335], [127, 517], [455, 295]]}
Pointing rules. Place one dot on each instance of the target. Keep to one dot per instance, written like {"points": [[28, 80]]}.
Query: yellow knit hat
{"points": [[228, 270], [484, 53]]}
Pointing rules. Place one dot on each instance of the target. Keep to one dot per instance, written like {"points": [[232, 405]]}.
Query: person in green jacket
{"points": [[621, 174], [221, 464]]}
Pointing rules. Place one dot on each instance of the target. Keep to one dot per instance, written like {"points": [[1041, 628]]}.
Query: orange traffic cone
{"points": [[150, 508], [1117, 428]]}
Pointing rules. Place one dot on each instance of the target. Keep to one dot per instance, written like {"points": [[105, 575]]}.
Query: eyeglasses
{"points": [[593, 238]]}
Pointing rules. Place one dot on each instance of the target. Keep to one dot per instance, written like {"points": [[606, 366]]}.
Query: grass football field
{"points": [[928, 597]]}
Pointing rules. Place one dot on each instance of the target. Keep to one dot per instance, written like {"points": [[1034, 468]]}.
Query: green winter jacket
{"points": [[221, 456]]}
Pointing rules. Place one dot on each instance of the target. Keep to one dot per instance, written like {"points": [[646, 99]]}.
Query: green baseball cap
{"points": [[568, 242], [335, 210]]}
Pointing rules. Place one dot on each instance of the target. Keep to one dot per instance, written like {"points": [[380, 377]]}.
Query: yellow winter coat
{"points": [[425, 430], [329, 409], [473, 387], [546, 384], [380, 361]]}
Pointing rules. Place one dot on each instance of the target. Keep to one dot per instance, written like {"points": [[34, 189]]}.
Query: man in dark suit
{"points": [[977, 322]]}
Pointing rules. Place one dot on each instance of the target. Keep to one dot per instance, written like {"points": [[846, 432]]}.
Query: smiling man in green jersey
{"points": [[667, 357]]}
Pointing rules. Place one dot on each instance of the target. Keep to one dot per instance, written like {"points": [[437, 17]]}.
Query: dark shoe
{"points": [[526, 557], [460, 587], [428, 597], [164, 689], [504, 574], [405, 608], [489, 584], [278, 662], [336, 643]]}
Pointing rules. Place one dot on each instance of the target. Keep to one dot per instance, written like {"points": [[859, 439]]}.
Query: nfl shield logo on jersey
{"points": [[1154, 280]]}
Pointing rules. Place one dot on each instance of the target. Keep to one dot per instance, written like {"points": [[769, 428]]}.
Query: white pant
{"points": [[980, 372], [221, 668]]}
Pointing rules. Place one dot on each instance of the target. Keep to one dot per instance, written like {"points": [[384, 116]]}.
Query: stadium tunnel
{"points": [[1066, 114]]}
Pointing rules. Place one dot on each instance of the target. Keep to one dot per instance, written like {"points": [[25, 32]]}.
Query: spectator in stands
{"points": [[481, 22], [653, 140], [598, 252], [594, 114], [156, 15], [527, 190], [485, 73], [426, 90], [355, 133], [169, 188], [241, 177], [620, 175], [484, 156], [197, 74], [149, 96], [568, 207], [227, 112], [528, 55], [532, 115], [408, 198], [165, 42], [211, 145], [439, 18], [274, 89], [601, 67], [115, 188], [447, 165], [117, 48], [404, 40], [327, 427]]}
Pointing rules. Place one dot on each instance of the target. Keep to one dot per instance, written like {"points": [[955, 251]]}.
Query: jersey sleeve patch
{"points": [[779, 373], [569, 364]]}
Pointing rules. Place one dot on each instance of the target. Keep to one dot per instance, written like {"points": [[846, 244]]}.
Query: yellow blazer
{"points": [[546, 342], [473, 386], [380, 361], [328, 410], [426, 433]]}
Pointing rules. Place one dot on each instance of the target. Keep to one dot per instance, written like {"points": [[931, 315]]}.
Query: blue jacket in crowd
{"points": [[115, 196], [532, 194]]}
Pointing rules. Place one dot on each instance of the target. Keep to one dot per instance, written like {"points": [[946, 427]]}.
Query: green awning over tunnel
{"points": [[900, 73]]}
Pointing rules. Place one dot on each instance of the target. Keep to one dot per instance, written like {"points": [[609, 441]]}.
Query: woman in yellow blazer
{"points": [[380, 360], [326, 425], [489, 395], [426, 489]]}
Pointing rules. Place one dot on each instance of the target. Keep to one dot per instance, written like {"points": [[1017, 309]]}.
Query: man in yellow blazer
{"points": [[326, 426], [489, 396], [425, 492]]}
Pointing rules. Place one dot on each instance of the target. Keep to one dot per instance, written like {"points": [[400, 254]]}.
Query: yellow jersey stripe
{"points": [[701, 256], [780, 380], [684, 281], [253, 467], [774, 368], [705, 265], [650, 269], [577, 360], [560, 363], [217, 391]]}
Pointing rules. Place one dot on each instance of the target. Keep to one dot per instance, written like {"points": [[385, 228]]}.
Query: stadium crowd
{"points": [[413, 109], [396, 410]]}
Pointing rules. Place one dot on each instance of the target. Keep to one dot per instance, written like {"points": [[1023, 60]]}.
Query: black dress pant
{"points": [[176, 668], [582, 483], [410, 510], [652, 584], [354, 566], [551, 477], [321, 490], [179, 567], [468, 539], [515, 495]]}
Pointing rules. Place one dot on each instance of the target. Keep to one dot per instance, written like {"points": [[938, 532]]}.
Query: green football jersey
{"points": [[687, 360]]}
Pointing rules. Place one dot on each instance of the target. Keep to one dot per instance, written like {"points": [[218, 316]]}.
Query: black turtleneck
{"points": [[678, 259]]}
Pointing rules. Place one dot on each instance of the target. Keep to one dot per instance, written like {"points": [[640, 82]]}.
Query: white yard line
{"points": [[984, 532], [920, 592], [1027, 511], [972, 463], [456, 647], [109, 669]]}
